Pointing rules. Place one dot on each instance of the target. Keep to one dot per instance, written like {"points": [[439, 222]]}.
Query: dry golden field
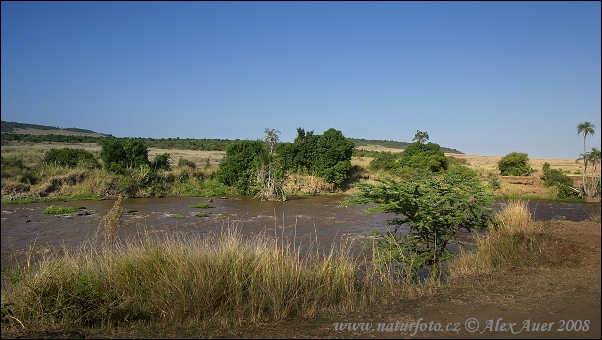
{"points": [[489, 163]]}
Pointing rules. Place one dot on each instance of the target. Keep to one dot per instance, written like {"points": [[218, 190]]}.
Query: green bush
{"points": [[184, 162], [327, 155], [427, 156], [117, 154], [385, 161], [161, 162], [555, 177], [239, 165], [71, 158], [515, 164], [14, 167]]}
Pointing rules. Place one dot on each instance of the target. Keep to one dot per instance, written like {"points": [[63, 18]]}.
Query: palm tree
{"points": [[272, 138], [587, 128], [594, 158]]}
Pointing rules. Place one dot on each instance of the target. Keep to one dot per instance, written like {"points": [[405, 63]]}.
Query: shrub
{"points": [[184, 162], [556, 178], [117, 154], [71, 158], [161, 162], [515, 164], [424, 156], [239, 165], [385, 161]]}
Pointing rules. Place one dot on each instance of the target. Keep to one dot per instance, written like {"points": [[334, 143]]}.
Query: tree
{"points": [[238, 168], [117, 154], [420, 137], [272, 138], [592, 184], [587, 128], [333, 156], [515, 164], [435, 206], [162, 162], [424, 156]]}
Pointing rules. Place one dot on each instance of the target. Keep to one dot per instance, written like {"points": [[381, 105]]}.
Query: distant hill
{"points": [[35, 129], [391, 144]]}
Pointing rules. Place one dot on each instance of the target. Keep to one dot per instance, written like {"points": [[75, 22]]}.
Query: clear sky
{"points": [[486, 78]]}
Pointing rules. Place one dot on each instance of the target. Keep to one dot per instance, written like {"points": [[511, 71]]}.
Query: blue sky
{"points": [[486, 78]]}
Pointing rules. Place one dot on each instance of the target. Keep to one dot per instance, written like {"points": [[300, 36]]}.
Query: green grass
{"points": [[178, 216], [57, 209], [201, 205], [202, 215]]}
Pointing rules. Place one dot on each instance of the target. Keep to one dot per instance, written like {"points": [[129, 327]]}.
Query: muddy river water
{"points": [[305, 219]]}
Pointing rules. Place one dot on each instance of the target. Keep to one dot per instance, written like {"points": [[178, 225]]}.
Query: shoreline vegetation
{"points": [[189, 167], [193, 174]]}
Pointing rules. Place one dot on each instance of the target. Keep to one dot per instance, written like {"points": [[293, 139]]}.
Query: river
{"points": [[305, 219]]}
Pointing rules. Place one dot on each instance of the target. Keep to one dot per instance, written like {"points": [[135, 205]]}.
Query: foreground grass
{"points": [[180, 279]]}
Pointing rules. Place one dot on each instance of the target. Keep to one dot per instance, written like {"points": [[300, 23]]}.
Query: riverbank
{"points": [[23, 185], [562, 291]]}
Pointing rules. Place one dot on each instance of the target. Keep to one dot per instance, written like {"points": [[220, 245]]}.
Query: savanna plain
{"points": [[528, 279]]}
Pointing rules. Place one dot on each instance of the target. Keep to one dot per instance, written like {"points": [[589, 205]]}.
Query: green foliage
{"points": [[239, 165], [494, 182], [421, 137], [424, 156], [301, 154], [327, 155], [556, 178], [129, 153], [71, 158], [515, 164], [333, 161], [201, 205], [185, 162], [136, 153], [13, 166], [162, 162], [435, 207], [57, 209]]}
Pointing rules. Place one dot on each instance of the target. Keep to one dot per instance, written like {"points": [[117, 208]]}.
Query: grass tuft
{"points": [[58, 209], [514, 241]]}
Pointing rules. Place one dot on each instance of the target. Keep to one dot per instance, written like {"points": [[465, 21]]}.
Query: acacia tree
{"points": [[587, 128], [435, 206], [421, 136]]}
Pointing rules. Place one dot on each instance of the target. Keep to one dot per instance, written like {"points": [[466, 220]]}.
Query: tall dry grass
{"points": [[225, 278], [515, 240]]}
